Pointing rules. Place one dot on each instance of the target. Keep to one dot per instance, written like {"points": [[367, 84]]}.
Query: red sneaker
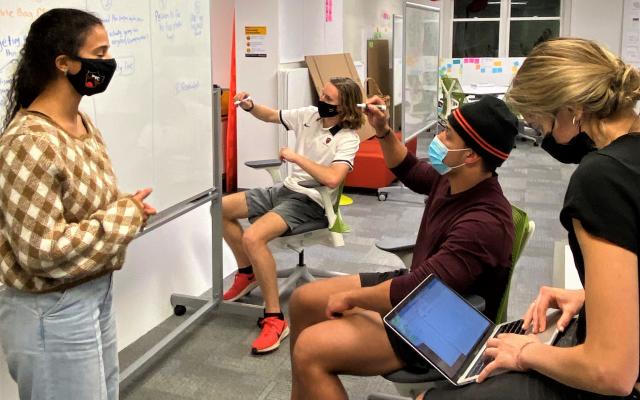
{"points": [[274, 330], [242, 284]]}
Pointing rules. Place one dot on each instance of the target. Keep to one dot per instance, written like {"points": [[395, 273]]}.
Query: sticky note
{"points": [[497, 63], [456, 61], [482, 70], [477, 67]]}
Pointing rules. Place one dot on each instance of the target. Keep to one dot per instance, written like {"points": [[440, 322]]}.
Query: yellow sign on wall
{"points": [[255, 41]]}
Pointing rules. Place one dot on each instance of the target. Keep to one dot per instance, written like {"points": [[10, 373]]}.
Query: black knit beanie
{"points": [[488, 127]]}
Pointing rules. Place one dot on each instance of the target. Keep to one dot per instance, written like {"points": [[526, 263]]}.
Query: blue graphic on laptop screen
{"points": [[437, 321]]}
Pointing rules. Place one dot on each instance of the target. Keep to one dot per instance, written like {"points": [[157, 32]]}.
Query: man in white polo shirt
{"points": [[326, 145]]}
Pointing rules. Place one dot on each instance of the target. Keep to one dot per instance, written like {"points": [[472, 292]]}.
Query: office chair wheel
{"points": [[382, 196], [535, 144], [179, 310]]}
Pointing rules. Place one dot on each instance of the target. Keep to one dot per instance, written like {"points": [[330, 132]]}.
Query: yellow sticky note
{"points": [[497, 63]]}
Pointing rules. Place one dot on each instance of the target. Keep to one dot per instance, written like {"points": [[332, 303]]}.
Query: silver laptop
{"points": [[450, 333]]}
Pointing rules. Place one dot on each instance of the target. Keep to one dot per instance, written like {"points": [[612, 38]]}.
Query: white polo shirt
{"points": [[319, 145]]}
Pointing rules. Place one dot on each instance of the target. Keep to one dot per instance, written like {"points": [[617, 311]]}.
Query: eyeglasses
{"points": [[539, 130], [443, 124]]}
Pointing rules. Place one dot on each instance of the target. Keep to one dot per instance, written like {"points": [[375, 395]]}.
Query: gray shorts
{"points": [[295, 208]]}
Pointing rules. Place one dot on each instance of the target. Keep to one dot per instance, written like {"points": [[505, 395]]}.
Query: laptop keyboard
{"points": [[511, 327]]}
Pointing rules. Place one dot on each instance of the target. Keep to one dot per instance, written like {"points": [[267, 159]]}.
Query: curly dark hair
{"points": [[56, 32]]}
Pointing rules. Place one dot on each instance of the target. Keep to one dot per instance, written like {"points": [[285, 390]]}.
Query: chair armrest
{"points": [[395, 245], [273, 167], [310, 184], [259, 164], [476, 301]]}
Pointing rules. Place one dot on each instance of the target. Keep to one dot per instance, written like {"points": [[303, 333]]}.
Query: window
{"points": [[532, 22], [506, 28]]}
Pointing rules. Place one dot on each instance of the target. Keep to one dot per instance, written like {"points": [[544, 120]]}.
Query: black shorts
{"points": [[412, 360]]}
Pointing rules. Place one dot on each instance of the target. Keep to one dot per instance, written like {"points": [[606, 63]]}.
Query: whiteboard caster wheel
{"points": [[382, 196], [179, 310]]}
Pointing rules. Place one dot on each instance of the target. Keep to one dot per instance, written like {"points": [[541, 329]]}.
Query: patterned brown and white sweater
{"points": [[62, 219]]}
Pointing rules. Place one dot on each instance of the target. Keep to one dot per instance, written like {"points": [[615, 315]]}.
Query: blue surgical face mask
{"points": [[437, 153]]}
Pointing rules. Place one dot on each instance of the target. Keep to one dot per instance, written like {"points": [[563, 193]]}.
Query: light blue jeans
{"points": [[61, 345]]}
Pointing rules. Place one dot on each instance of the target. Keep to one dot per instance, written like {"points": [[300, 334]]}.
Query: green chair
{"points": [[328, 232], [452, 94], [410, 384]]}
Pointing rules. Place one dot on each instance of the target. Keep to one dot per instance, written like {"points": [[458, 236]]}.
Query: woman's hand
{"points": [[147, 209], [337, 304], [568, 301], [505, 351], [243, 98]]}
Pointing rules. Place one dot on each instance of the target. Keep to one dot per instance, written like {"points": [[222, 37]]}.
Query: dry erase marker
{"points": [[235, 103], [380, 107]]}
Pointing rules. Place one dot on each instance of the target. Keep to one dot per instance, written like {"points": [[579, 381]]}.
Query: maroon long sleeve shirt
{"points": [[466, 239]]}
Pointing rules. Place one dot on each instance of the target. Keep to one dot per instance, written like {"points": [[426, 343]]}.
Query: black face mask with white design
{"points": [[327, 110], [94, 75]]}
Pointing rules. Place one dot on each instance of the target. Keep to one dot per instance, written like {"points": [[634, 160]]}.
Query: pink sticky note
{"points": [[328, 10]]}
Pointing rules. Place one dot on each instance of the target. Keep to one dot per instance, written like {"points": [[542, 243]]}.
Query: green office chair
{"points": [[410, 384], [328, 232], [452, 95]]}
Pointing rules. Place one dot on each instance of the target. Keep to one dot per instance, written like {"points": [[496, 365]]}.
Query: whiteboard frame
{"points": [[405, 136]]}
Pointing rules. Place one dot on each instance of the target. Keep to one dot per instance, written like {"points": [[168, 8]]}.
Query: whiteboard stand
{"points": [[204, 306], [432, 15]]}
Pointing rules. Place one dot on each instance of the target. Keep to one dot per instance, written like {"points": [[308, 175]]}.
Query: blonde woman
{"points": [[564, 87]]}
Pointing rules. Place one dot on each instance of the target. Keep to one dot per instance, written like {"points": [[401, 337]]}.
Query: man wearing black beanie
{"points": [[465, 238]]}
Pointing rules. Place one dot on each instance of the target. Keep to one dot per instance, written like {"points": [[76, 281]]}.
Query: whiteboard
{"points": [[630, 46], [156, 115], [421, 43]]}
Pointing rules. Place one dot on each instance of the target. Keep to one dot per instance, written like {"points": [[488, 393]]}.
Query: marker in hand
{"points": [[380, 107], [237, 102]]}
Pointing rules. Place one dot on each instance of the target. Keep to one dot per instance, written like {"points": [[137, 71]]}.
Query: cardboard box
{"points": [[324, 67], [378, 64]]}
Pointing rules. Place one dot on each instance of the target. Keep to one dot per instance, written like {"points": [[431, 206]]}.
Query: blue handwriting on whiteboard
{"points": [[126, 66], [187, 86], [125, 37], [169, 22], [10, 45]]}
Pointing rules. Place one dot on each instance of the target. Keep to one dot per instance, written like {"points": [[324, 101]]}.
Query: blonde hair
{"points": [[573, 72], [351, 116]]}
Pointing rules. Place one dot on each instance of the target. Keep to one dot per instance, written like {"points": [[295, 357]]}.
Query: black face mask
{"points": [[94, 75], [569, 153], [327, 110]]}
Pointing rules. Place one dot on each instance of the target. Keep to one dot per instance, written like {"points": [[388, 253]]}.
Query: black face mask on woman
{"points": [[94, 75], [327, 110], [569, 153]]}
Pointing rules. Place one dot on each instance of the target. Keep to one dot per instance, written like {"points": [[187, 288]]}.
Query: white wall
{"points": [[221, 27], [295, 28], [598, 20], [362, 18]]}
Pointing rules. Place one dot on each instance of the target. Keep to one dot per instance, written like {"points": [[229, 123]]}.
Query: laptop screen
{"points": [[439, 324]]}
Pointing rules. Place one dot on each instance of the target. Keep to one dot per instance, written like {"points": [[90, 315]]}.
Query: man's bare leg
{"points": [[356, 344]]}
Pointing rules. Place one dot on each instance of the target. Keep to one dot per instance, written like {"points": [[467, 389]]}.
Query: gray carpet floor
{"points": [[213, 360]]}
